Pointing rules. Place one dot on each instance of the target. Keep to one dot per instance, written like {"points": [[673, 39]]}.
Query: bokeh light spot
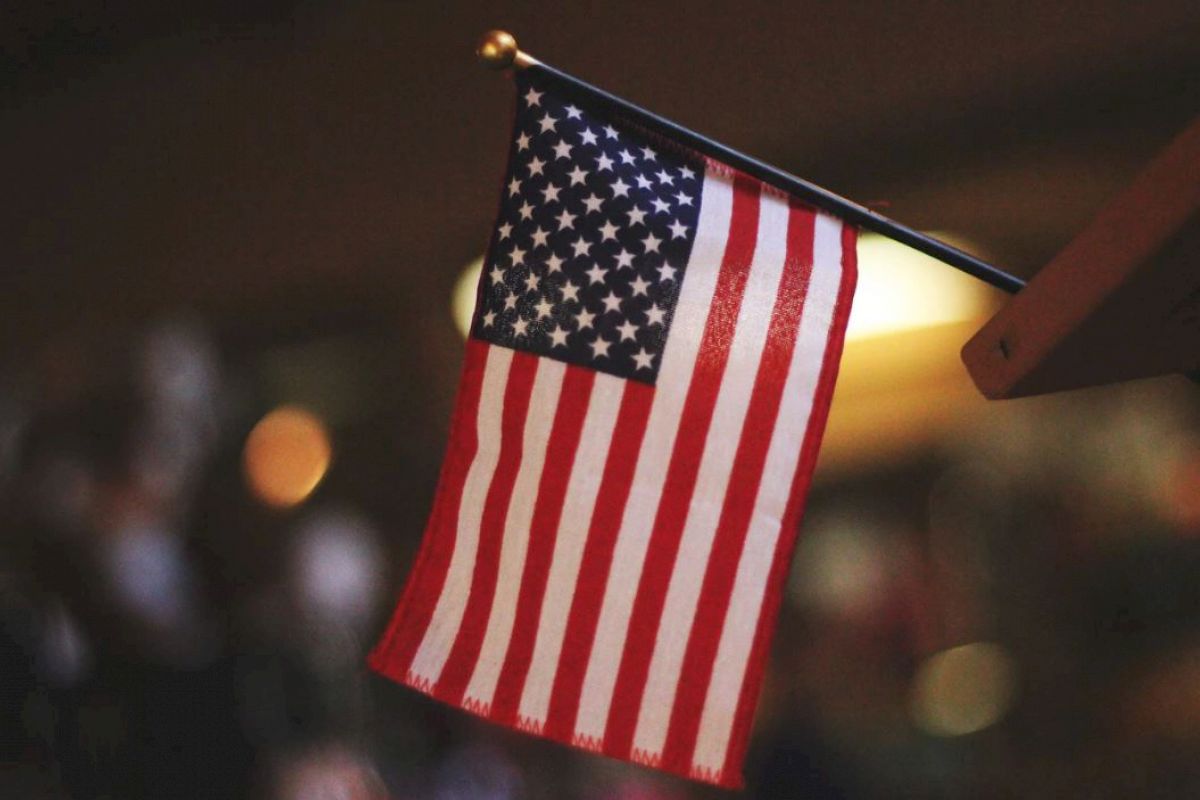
{"points": [[462, 298], [964, 689], [1179, 494], [286, 456]]}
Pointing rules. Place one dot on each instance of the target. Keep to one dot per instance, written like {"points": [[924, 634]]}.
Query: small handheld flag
{"points": [[652, 355]]}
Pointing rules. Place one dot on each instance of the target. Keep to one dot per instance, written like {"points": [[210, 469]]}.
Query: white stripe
{"points": [[758, 551], [447, 615], [712, 477], [578, 504], [539, 419], [674, 378]]}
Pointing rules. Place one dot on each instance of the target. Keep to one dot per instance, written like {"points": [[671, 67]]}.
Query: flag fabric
{"points": [[646, 382]]}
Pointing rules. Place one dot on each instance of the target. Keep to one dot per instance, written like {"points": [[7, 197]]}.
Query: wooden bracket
{"points": [[1122, 301]]}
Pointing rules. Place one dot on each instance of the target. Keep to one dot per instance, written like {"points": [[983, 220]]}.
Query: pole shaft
{"points": [[825, 200]]}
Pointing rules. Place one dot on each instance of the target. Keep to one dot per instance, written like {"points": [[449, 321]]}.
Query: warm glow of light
{"points": [[286, 456], [897, 395], [964, 689], [462, 299], [900, 289]]}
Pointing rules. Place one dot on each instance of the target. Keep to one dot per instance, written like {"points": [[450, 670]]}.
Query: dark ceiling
{"points": [[269, 163]]}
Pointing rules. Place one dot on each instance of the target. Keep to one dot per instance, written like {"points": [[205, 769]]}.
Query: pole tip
{"points": [[497, 50]]}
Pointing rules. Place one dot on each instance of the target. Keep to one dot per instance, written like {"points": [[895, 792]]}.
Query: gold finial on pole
{"points": [[497, 50]]}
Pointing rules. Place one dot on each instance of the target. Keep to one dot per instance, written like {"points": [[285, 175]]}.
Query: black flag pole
{"points": [[498, 50]]}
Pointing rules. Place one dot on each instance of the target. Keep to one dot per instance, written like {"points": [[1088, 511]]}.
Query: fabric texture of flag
{"points": [[649, 369]]}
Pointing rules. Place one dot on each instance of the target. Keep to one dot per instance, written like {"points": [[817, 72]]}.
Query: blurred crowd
{"points": [[164, 635], [1013, 613]]}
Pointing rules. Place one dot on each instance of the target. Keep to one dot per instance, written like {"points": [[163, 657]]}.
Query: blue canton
{"points": [[592, 240]]}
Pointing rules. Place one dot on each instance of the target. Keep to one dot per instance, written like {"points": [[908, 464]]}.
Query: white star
{"points": [[651, 243], [547, 123], [539, 237], [558, 337], [678, 230], [489, 318], [562, 150], [626, 157], [505, 231], [531, 282], [639, 286], [510, 302], [566, 219], [648, 154], [654, 315], [519, 327], [611, 302], [582, 246], [596, 274], [584, 319], [599, 347], [514, 185], [526, 211], [683, 198], [535, 166], [544, 307], [533, 98], [550, 193], [687, 173], [592, 202], [660, 206], [663, 177], [517, 255], [624, 258], [628, 329], [666, 273], [643, 182], [610, 131], [587, 136], [497, 274], [603, 162], [620, 188], [554, 263], [608, 231], [572, 112], [636, 216], [577, 175], [643, 359], [523, 141], [570, 292]]}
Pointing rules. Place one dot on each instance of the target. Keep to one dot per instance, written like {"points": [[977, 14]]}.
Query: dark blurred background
{"points": [[229, 244]]}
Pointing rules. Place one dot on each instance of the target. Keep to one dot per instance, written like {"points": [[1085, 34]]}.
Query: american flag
{"points": [[654, 346]]}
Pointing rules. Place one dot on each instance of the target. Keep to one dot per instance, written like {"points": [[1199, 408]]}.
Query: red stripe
{"points": [[394, 653], [461, 661], [543, 529], [789, 529], [742, 493], [684, 464], [597, 558]]}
